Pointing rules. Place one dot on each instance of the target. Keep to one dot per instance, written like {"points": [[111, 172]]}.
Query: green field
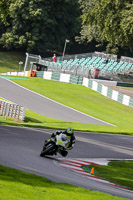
{"points": [[75, 96], [87, 101], [9, 61], [118, 172], [17, 185], [82, 99]]}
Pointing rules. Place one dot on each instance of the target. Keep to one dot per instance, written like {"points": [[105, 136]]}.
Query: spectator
{"points": [[89, 74], [54, 58], [107, 60]]}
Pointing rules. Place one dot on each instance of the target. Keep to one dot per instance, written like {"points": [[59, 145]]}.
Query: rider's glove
{"points": [[53, 135], [58, 132]]}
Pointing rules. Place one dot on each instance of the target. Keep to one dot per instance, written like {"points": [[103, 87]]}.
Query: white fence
{"points": [[11, 110]]}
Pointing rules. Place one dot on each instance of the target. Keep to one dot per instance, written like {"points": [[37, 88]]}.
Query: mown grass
{"points": [[9, 61], [118, 172], [38, 121], [17, 185], [87, 101], [80, 98]]}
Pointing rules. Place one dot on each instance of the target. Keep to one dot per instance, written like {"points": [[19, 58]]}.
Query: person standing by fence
{"points": [[54, 58]]}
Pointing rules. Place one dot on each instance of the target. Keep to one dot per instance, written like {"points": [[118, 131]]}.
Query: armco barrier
{"points": [[55, 76], [11, 110], [76, 79], [90, 83], [39, 74], [124, 84], [65, 77]]}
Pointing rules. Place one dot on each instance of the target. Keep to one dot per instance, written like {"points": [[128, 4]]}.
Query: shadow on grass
{"points": [[30, 119]]}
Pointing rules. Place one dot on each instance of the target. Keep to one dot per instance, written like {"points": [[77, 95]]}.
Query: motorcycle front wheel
{"points": [[48, 150]]}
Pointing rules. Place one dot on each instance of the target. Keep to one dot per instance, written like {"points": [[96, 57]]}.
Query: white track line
{"points": [[59, 103]]}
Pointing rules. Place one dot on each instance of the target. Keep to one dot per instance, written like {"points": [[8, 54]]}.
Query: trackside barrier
{"points": [[11, 110], [26, 73], [112, 94], [90, 83], [1, 117]]}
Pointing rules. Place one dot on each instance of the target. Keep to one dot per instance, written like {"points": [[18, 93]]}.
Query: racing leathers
{"points": [[71, 141]]}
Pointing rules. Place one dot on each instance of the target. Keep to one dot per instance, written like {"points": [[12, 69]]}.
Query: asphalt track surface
{"points": [[43, 105], [20, 149]]}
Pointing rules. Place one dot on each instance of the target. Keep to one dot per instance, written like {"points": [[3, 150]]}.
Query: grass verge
{"points": [[86, 101], [18, 185], [9, 61], [82, 99], [38, 121], [118, 172]]}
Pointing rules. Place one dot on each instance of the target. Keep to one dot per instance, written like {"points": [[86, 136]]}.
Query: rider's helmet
{"points": [[69, 131]]}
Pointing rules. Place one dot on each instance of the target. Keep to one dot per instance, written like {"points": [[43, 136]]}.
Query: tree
{"points": [[127, 26], [4, 9], [109, 22], [37, 25], [88, 32], [4, 5]]}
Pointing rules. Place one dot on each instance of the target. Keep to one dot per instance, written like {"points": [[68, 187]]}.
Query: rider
{"points": [[70, 135]]}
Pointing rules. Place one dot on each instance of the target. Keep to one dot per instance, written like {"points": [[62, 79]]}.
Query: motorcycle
{"points": [[58, 144]]}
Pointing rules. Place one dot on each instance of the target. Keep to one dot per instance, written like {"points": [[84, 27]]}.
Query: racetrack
{"points": [[20, 149], [43, 105]]}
